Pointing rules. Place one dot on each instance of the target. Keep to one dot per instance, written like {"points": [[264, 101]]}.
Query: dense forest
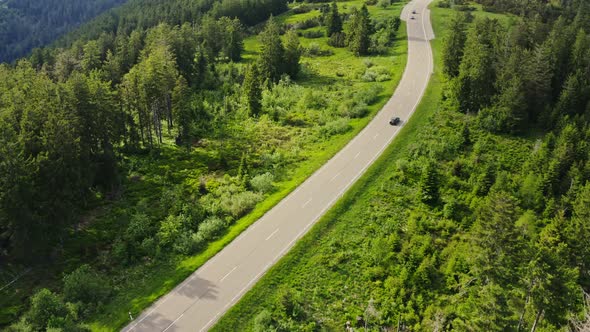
{"points": [[26, 24], [140, 138], [480, 219]]}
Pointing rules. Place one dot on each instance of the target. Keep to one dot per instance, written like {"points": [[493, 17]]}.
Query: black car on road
{"points": [[395, 121]]}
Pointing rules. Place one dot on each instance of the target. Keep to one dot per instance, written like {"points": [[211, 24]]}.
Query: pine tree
{"points": [[292, 54], [454, 44], [233, 43], [474, 86], [253, 89], [359, 31], [333, 21], [429, 184], [181, 109], [272, 52]]}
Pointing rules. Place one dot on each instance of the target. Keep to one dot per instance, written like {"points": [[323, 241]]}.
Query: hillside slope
{"points": [[26, 24]]}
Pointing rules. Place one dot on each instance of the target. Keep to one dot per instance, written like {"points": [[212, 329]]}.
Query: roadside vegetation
{"points": [[477, 217], [130, 158]]}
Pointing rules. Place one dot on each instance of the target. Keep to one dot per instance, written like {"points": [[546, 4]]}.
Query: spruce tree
{"points": [[454, 43], [333, 20], [253, 89], [292, 54], [359, 31], [474, 86], [271, 64]]}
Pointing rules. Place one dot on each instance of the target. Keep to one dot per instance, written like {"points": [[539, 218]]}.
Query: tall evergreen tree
{"points": [[253, 89], [333, 20], [454, 43], [272, 52], [359, 31], [292, 54], [474, 86]]}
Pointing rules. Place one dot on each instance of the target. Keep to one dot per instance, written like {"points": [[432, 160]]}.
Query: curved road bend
{"points": [[198, 302]]}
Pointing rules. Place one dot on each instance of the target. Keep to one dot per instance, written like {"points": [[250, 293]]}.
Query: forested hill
{"points": [[25, 24]]}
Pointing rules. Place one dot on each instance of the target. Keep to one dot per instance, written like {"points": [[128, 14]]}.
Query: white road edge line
{"points": [[227, 274], [271, 235]]}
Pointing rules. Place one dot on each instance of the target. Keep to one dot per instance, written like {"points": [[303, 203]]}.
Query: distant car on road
{"points": [[412, 17], [395, 121], [414, 12]]}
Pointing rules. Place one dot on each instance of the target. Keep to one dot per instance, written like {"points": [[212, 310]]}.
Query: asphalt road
{"points": [[198, 302]]}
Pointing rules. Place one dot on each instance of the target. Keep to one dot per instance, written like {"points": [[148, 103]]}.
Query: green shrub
{"points": [[312, 34], [314, 100], [169, 230], [237, 205], [369, 76], [263, 322], [337, 40], [369, 95], [211, 227], [263, 183], [353, 109], [376, 74], [184, 244], [45, 306], [302, 9], [314, 49], [336, 127], [86, 285], [139, 227], [198, 241]]}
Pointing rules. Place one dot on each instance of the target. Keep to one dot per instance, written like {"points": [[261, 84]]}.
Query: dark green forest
{"points": [[139, 139], [478, 217], [26, 24]]}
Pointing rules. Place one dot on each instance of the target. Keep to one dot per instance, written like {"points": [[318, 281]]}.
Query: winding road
{"points": [[199, 301]]}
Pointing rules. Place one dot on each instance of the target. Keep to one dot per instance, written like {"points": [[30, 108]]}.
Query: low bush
{"points": [[306, 24], [302, 9], [86, 285], [311, 34], [337, 40], [211, 227], [314, 49], [384, 3], [336, 127], [263, 183], [376, 74], [239, 204]]}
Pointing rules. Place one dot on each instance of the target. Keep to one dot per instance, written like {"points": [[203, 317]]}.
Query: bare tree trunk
{"points": [[537, 319], [169, 113], [521, 319]]}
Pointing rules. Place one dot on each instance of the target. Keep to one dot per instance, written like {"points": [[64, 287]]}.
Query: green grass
{"points": [[240, 316]]}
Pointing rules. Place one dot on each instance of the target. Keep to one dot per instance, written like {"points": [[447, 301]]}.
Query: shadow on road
{"points": [[198, 288]]}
